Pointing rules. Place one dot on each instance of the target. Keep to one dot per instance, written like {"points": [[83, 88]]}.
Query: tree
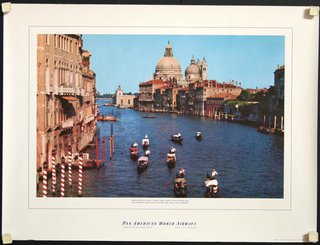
{"points": [[245, 96]]}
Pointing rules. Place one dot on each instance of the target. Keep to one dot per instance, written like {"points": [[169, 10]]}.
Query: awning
{"points": [[70, 98]]}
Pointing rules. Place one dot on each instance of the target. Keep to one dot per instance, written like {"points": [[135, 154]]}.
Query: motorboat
{"points": [[177, 138], [143, 163], [171, 159], [180, 186], [134, 151], [145, 143], [198, 135], [211, 187]]}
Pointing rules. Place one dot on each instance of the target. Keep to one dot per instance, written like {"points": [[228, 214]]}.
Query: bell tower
{"points": [[204, 69]]}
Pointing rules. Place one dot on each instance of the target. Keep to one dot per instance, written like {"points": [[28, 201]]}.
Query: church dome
{"points": [[192, 69], [168, 63]]}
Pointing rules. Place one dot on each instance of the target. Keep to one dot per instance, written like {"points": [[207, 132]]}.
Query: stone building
{"points": [[66, 88], [147, 91], [279, 84], [122, 100]]}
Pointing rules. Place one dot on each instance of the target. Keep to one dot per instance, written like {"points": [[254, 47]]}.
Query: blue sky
{"points": [[127, 60]]}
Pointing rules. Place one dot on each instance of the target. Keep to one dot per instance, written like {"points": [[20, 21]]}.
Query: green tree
{"points": [[245, 96]]}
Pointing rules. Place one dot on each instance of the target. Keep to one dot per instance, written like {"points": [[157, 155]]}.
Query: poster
{"points": [[148, 216]]}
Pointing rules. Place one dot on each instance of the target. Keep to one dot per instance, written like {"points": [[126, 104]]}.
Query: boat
{"points": [[177, 138], [263, 130], [107, 118], [134, 152], [145, 143], [108, 104], [147, 153], [143, 163], [149, 116], [180, 186], [211, 187], [198, 136], [171, 159]]}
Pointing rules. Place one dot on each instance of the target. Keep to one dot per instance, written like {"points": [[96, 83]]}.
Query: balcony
{"points": [[88, 119], [64, 90], [49, 89], [68, 123]]}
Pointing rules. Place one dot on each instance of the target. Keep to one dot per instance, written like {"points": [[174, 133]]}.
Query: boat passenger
{"points": [[147, 153], [214, 173], [172, 150], [182, 172]]}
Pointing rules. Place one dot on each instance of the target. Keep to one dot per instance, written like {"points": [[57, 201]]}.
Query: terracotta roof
{"points": [[153, 82], [224, 96], [163, 87]]}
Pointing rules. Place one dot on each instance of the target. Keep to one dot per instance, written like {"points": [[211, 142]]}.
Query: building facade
{"points": [[122, 100], [66, 107]]}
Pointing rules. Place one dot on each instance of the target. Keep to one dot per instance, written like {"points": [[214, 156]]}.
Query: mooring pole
{"points": [[69, 166], [110, 147], [62, 179], [54, 179], [80, 176], [44, 180], [97, 153]]}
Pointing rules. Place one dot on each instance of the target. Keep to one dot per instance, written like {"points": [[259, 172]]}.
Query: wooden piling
{"points": [[275, 122], [54, 180], [62, 179], [44, 183], [281, 126], [80, 176], [69, 166], [110, 147]]}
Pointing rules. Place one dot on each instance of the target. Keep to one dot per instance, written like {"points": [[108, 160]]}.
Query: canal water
{"points": [[250, 164]]}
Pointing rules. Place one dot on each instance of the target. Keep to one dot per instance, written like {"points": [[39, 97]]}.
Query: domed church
{"points": [[196, 72], [168, 68]]}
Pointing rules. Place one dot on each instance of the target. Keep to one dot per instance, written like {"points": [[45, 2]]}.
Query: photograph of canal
{"points": [[196, 116]]}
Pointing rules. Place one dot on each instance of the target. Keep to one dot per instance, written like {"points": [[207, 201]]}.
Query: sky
{"points": [[128, 60]]}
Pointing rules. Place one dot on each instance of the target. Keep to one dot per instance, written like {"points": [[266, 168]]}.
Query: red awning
{"points": [[70, 98]]}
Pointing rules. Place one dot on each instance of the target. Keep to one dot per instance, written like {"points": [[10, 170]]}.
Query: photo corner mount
{"points": [[314, 11], [6, 238], [313, 236], [6, 7]]}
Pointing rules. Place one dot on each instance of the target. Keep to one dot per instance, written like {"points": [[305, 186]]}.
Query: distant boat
{"points": [[149, 116], [108, 104], [107, 118]]}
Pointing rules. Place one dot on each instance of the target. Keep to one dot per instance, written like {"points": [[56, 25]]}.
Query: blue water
{"points": [[250, 164]]}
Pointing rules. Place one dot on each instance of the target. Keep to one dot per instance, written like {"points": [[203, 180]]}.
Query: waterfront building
{"points": [[123, 100], [279, 85], [66, 106], [169, 92], [147, 92]]}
